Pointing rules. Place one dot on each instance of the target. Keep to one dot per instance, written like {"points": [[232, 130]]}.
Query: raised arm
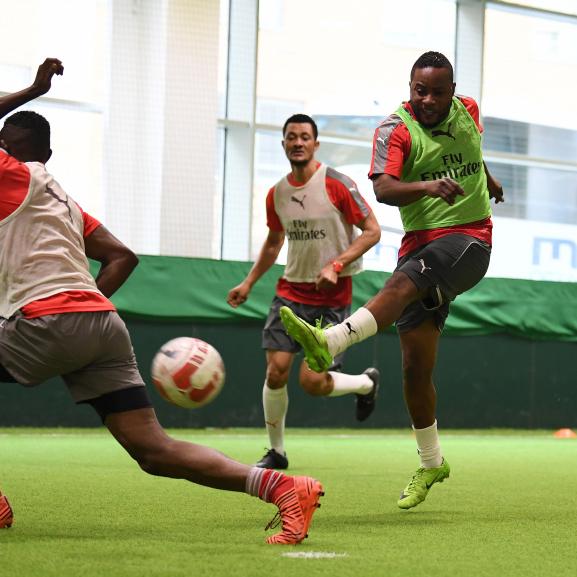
{"points": [[116, 260], [40, 86]]}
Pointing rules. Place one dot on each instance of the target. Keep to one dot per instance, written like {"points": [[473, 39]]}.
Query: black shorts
{"points": [[275, 338], [447, 267]]}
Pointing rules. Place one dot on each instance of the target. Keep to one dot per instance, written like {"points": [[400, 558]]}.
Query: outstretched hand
{"points": [[44, 74]]}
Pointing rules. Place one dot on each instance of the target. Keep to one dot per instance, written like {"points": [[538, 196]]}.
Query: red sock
{"points": [[274, 484]]}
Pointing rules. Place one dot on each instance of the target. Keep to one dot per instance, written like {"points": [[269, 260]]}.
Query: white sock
{"points": [[429, 446], [275, 405], [359, 326], [345, 384]]}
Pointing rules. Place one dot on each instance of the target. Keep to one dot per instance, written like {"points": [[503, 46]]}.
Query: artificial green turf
{"points": [[83, 508]]}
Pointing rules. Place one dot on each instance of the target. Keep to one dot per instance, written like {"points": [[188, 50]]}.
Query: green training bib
{"points": [[453, 149]]}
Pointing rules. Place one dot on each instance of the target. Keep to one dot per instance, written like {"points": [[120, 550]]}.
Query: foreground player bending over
{"points": [[427, 160], [55, 319]]}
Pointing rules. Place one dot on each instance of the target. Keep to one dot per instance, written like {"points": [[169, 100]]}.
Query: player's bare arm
{"points": [[369, 237], [266, 258], [41, 85], [390, 190], [116, 260], [494, 186]]}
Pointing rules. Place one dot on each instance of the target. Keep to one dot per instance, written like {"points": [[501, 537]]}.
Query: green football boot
{"points": [[312, 340], [418, 488]]}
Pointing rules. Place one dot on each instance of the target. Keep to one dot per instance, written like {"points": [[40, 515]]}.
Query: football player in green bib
{"points": [[427, 160]]}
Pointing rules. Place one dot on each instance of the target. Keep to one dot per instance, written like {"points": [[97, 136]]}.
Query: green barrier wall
{"points": [[506, 358], [196, 289]]}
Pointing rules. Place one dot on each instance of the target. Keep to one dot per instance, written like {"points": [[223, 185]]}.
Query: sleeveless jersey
{"points": [[41, 242], [316, 230], [451, 148]]}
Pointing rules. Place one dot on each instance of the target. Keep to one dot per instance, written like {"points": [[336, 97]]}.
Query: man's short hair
{"points": [[301, 119], [38, 125], [432, 60]]}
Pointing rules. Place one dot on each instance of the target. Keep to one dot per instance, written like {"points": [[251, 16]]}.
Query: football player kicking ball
{"points": [[56, 320], [427, 160]]}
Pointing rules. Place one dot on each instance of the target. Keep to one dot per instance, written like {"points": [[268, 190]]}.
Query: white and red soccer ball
{"points": [[188, 372]]}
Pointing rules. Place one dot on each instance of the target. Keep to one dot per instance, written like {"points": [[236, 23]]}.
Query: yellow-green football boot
{"points": [[418, 488], [312, 340]]}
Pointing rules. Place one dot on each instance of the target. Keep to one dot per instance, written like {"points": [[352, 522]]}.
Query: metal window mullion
{"points": [[240, 130]]}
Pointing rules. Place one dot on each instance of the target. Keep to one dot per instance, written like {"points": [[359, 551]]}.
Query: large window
{"points": [[563, 6], [348, 69], [167, 122], [35, 30], [531, 138]]}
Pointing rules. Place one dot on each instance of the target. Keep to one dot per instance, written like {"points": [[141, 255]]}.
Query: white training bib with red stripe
{"points": [[41, 242], [317, 231]]}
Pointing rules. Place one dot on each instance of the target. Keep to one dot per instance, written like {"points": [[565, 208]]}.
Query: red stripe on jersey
{"points": [[272, 219], [347, 199], [67, 302], [15, 183], [90, 223], [306, 293], [392, 158], [482, 230], [473, 109]]}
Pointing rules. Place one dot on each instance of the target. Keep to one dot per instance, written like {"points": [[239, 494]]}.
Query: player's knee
{"points": [[152, 462], [401, 290], [149, 465], [151, 457], [402, 285], [276, 378]]}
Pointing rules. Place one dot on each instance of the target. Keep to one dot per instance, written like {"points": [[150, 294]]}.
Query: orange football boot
{"points": [[295, 511], [6, 514]]}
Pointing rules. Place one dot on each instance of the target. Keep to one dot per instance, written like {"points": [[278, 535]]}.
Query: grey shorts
{"points": [[447, 267], [91, 351], [275, 338]]}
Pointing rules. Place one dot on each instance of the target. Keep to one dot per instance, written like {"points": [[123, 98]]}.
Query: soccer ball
{"points": [[188, 372]]}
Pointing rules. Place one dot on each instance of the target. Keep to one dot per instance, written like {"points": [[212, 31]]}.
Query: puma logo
{"points": [[273, 424], [446, 133], [300, 201], [351, 330], [61, 200], [424, 267]]}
